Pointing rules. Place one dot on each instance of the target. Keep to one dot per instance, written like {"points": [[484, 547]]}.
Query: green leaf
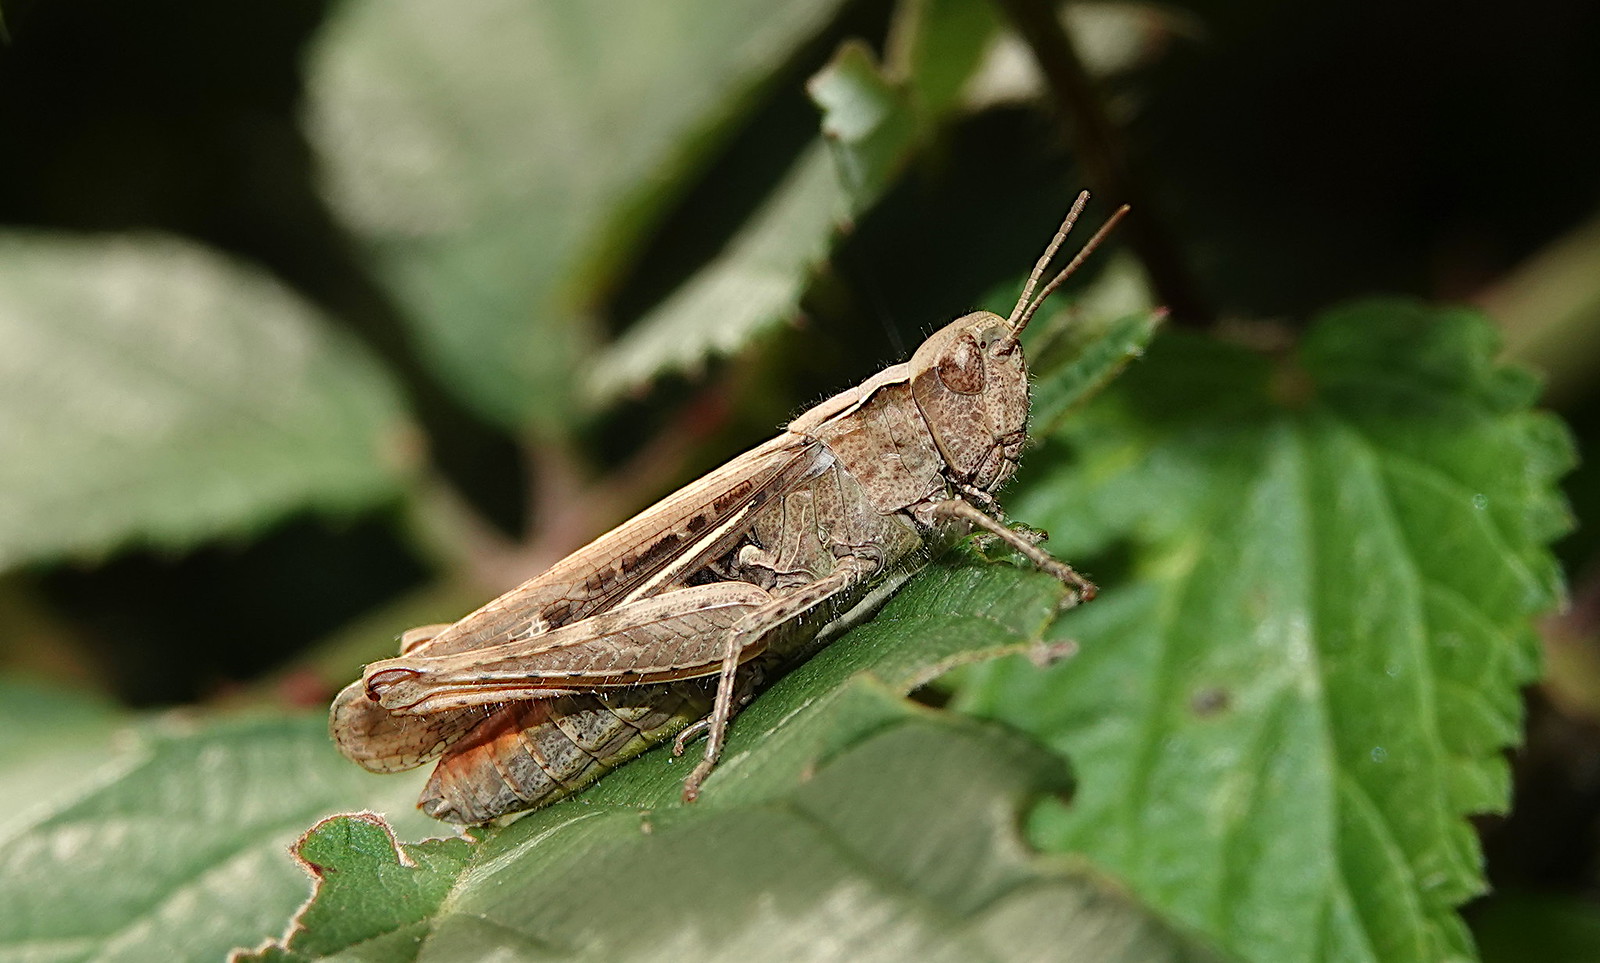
{"points": [[1074, 365], [902, 846], [936, 46], [160, 839], [485, 154], [874, 120], [366, 890], [40, 727], [1304, 668], [158, 392], [752, 286], [875, 117], [866, 119]]}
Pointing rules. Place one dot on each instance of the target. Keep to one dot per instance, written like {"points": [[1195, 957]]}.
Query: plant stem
{"points": [[1104, 155]]}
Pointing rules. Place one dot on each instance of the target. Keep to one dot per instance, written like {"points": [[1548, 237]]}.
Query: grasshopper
{"points": [[679, 613]]}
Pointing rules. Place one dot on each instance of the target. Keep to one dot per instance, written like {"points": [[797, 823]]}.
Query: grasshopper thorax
{"points": [[970, 383]]}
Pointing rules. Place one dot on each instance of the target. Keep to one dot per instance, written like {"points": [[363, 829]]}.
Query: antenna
{"points": [[1025, 309], [1049, 252]]}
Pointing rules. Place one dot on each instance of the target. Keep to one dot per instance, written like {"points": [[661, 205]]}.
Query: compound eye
{"points": [[961, 367]]}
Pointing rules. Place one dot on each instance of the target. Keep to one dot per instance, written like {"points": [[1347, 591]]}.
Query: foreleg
{"points": [[957, 508]]}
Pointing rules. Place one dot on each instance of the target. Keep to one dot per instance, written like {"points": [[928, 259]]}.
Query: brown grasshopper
{"points": [[638, 634]]}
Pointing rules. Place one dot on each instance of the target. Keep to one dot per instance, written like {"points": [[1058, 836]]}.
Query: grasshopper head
{"points": [[970, 382]]}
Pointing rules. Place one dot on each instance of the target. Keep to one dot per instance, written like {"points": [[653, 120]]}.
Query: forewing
{"points": [[650, 553], [676, 635], [412, 639], [381, 741]]}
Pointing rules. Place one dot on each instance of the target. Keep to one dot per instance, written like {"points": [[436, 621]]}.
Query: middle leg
{"points": [[850, 570]]}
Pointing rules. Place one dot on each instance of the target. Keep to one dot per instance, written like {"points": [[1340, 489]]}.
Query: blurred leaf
{"points": [[866, 119], [1572, 671], [152, 390], [162, 839], [1308, 675], [1550, 310], [754, 284], [1074, 365], [1514, 926], [874, 120], [42, 730], [903, 846], [873, 117], [1110, 36], [483, 153], [935, 47]]}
